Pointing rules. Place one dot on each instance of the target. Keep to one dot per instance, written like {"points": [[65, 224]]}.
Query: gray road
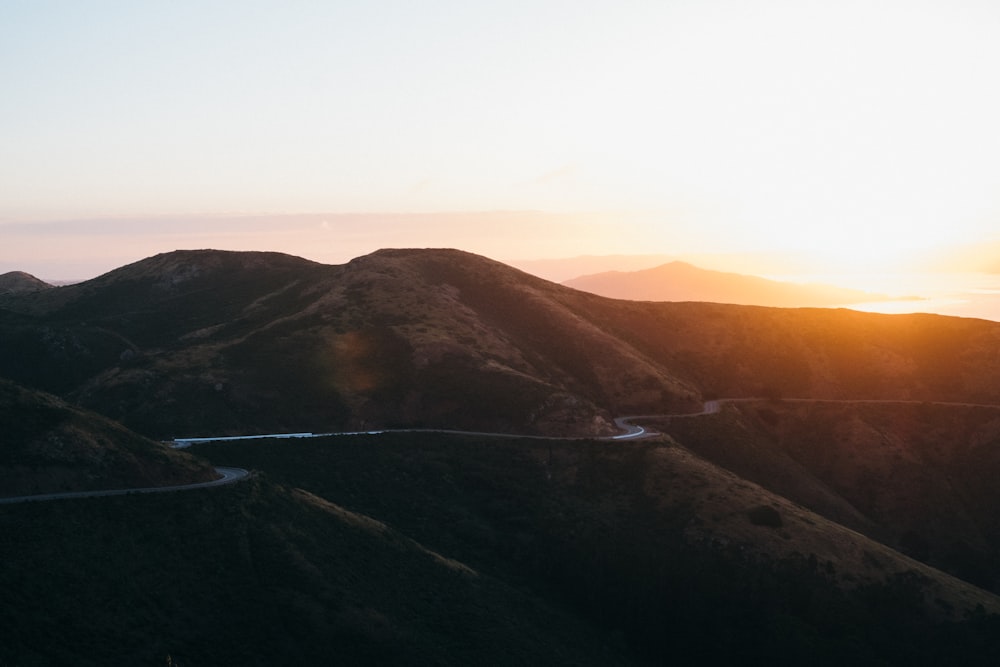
{"points": [[227, 476], [630, 430]]}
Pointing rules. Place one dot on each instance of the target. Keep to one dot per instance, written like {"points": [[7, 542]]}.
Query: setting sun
{"points": [[539, 332], [769, 138]]}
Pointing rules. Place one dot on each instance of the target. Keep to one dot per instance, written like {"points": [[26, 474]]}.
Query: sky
{"points": [[854, 132]]}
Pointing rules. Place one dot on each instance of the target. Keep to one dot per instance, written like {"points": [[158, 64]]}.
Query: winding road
{"points": [[230, 475], [630, 431], [227, 476]]}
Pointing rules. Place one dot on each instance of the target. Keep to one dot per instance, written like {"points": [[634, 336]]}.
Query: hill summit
{"points": [[195, 343], [19, 282], [49, 446], [769, 529]]}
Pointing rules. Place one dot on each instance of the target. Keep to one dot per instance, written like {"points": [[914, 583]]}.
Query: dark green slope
{"points": [[258, 575], [575, 554], [645, 540], [192, 343], [918, 476], [206, 342], [49, 446], [61, 338], [581, 552]]}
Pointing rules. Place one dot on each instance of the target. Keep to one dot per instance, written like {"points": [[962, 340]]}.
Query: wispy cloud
{"points": [[566, 173]]}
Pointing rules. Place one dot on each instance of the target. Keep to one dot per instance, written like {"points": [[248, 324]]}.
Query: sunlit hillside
{"points": [[500, 333]]}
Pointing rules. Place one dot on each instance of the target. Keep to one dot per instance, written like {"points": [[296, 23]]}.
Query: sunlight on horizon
{"points": [[853, 134], [962, 294]]}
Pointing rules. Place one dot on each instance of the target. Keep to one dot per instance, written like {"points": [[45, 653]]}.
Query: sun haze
{"points": [[859, 133]]}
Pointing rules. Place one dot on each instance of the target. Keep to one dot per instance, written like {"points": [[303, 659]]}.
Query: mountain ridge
{"points": [[443, 338], [766, 522], [683, 281]]}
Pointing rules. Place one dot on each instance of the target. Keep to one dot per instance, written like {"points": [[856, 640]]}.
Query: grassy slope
{"points": [[192, 343], [51, 446], [919, 476], [648, 540], [254, 574]]}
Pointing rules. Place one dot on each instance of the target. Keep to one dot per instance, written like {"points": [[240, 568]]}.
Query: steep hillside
{"points": [[918, 476], [693, 564], [254, 574], [205, 342], [769, 532], [49, 446], [734, 351], [191, 343], [680, 281]]}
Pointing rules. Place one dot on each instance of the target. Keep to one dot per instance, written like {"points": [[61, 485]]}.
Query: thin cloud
{"points": [[566, 173], [420, 186]]}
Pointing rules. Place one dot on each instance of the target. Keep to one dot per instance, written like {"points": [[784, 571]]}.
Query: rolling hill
{"points": [[844, 510], [19, 282], [204, 343], [680, 281]]}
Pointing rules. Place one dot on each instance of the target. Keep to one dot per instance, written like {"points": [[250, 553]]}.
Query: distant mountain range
{"points": [[843, 504], [963, 258], [680, 281]]}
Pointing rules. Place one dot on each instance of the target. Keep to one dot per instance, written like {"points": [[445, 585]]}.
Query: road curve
{"points": [[227, 476], [631, 431], [636, 432]]}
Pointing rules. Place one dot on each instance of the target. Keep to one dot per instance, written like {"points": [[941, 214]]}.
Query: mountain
{"points": [[558, 270], [842, 510], [198, 343], [49, 446], [680, 281], [753, 263], [19, 282]]}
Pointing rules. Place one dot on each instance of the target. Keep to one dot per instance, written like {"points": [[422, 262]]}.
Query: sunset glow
{"points": [[856, 135]]}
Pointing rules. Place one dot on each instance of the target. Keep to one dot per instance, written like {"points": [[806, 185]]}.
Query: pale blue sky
{"points": [[853, 129]]}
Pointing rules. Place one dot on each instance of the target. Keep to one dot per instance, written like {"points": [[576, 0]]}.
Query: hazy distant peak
{"points": [[678, 264], [19, 282], [681, 281], [560, 269]]}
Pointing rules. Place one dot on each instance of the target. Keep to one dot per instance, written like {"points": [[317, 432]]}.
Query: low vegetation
{"points": [[772, 532], [917, 476], [255, 574], [49, 446], [205, 342], [646, 540]]}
